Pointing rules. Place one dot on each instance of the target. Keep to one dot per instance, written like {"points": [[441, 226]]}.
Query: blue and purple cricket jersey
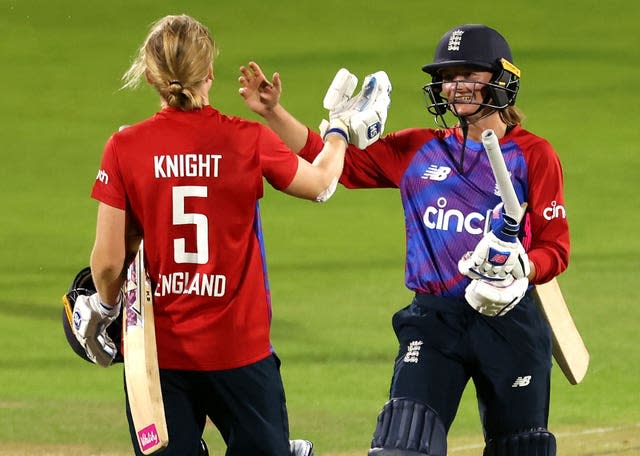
{"points": [[447, 199]]}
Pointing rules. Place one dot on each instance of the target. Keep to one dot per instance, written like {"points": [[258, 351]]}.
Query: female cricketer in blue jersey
{"points": [[478, 322]]}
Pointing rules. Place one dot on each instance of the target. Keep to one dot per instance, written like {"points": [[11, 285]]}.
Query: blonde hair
{"points": [[177, 58], [512, 116]]}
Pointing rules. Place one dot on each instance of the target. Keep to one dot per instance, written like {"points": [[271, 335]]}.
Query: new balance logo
{"points": [[522, 381], [436, 173], [497, 257], [413, 352]]}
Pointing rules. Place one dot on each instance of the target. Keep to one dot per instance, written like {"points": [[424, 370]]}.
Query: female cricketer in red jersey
{"points": [[188, 180], [473, 315]]}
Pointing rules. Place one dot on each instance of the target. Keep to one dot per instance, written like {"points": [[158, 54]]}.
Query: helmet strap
{"points": [[464, 125]]}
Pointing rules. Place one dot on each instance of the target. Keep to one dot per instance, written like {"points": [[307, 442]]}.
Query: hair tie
{"points": [[176, 83]]}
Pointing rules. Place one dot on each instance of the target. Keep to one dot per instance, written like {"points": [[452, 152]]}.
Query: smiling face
{"points": [[463, 88]]}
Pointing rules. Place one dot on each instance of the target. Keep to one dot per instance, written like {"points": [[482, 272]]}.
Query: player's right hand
{"points": [[91, 318], [260, 95]]}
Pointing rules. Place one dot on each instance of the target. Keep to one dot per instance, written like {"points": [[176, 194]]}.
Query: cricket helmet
{"points": [[83, 285], [476, 46]]}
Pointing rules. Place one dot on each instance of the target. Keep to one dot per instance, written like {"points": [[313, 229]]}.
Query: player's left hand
{"points": [[259, 94], [90, 321], [498, 254], [495, 298], [359, 119]]}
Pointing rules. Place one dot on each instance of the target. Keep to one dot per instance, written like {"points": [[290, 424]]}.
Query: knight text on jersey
{"points": [[186, 165]]}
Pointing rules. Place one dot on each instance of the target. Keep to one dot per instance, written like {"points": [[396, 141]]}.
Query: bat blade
{"points": [[501, 174], [569, 349], [141, 360]]}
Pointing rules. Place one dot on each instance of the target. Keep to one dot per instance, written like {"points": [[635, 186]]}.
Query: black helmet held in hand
{"points": [[83, 285]]}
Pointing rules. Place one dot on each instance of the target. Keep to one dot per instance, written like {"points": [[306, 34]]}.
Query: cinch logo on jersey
{"points": [[554, 211], [436, 173], [522, 381], [102, 176], [200, 284], [186, 165], [440, 218], [413, 351]]}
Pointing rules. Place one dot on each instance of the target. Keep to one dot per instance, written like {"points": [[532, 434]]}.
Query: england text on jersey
{"points": [[213, 285], [186, 165]]}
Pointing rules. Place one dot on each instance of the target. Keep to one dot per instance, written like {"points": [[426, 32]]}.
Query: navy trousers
{"points": [[444, 342], [247, 405]]}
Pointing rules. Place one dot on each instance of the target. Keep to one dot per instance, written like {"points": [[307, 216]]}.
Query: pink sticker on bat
{"points": [[148, 437]]}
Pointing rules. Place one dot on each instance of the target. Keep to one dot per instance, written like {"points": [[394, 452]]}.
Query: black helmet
{"points": [[472, 45], [83, 285], [478, 46]]}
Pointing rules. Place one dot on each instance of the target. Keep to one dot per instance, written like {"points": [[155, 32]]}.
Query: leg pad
{"points": [[408, 428], [536, 442]]}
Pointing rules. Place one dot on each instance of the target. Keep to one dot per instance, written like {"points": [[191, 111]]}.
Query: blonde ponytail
{"points": [[177, 58]]}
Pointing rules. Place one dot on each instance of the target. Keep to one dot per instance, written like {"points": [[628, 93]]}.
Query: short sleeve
{"points": [[279, 163], [108, 187]]}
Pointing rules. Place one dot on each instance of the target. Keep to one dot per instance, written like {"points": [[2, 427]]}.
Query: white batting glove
{"points": [[337, 97], [90, 321], [361, 119], [498, 254], [300, 448], [495, 298]]}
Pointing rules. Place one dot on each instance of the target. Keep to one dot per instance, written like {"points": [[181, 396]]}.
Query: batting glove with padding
{"points": [[300, 447], [360, 119], [499, 253], [495, 298], [91, 317]]}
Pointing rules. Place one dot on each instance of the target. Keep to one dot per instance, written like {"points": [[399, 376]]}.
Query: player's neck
{"points": [[493, 122]]}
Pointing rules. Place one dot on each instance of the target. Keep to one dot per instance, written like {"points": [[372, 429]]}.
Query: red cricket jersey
{"points": [[192, 181]]}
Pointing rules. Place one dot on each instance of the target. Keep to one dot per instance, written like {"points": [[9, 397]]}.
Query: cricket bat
{"points": [[569, 350], [141, 360]]}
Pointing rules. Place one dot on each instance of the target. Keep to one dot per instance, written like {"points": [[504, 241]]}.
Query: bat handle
{"points": [[503, 180]]}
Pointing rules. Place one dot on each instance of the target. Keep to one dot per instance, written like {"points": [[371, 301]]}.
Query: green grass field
{"points": [[336, 270]]}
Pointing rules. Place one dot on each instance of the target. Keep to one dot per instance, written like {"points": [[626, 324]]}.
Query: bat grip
{"points": [[501, 174]]}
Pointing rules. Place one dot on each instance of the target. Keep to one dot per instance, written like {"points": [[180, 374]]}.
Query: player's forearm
{"points": [[330, 161], [288, 128], [547, 264], [318, 181], [108, 254], [107, 276]]}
